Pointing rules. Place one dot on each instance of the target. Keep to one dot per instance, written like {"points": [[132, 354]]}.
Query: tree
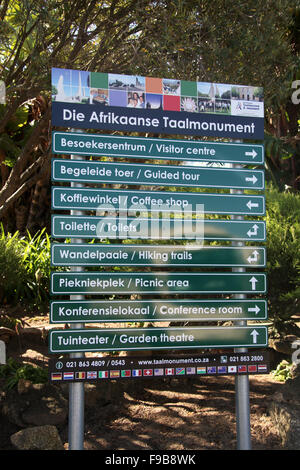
{"points": [[37, 35], [254, 42]]}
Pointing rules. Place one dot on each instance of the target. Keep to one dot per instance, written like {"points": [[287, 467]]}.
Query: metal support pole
{"points": [[242, 399], [76, 389]]}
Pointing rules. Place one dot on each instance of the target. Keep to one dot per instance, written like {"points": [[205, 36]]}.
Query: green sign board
{"points": [[163, 149], [65, 226], [128, 173], [91, 311], [164, 283], [156, 201], [156, 255], [111, 339]]}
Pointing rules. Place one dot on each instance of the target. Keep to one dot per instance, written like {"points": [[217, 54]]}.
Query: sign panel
{"points": [[125, 339], [86, 116], [164, 283], [64, 226], [91, 311], [98, 145], [87, 100], [155, 255], [164, 366], [156, 201], [129, 174]]}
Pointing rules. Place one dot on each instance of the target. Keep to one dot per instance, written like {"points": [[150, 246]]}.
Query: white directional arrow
{"points": [[254, 232], [251, 204], [253, 281], [251, 154], [253, 179], [254, 257], [255, 309], [254, 335]]}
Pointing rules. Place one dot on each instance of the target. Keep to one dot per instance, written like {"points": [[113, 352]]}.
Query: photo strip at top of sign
{"points": [[83, 99], [132, 91]]}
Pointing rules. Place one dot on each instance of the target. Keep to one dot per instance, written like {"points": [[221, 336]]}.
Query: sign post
{"points": [[88, 100], [76, 389], [242, 397]]}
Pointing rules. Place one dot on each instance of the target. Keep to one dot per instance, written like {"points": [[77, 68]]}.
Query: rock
{"points": [[50, 408], [287, 419], [285, 411], [283, 345], [37, 438], [278, 397], [31, 356], [38, 404], [23, 386], [6, 334]]}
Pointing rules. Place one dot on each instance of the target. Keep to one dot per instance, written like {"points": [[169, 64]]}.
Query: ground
{"points": [[181, 415], [161, 414]]}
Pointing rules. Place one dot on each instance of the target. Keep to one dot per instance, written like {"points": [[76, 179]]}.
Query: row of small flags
{"points": [[114, 374]]}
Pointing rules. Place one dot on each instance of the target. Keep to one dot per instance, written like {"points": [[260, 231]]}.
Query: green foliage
{"points": [[12, 270], [17, 131], [13, 371], [36, 259], [282, 371], [283, 257], [278, 155], [25, 268]]}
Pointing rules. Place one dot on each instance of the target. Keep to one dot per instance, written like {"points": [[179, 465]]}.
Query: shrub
{"points": [[13, 371], [25, 268], [12, 270], [36, 260], [283, 371]]}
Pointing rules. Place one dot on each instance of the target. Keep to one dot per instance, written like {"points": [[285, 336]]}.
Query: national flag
{"points": [[137, 373], [191, 370], [222, 369], [242, 368], [80, 375], [252, 368], [91, 375], [223, 359], [169, 371], [68, 375], [125, 373], [211, 370], [148, 372], [262, 367], [201, 370], [56, 376], [158, 372], [180, 371], [232, 369], [114, 374], [103, 374]]}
